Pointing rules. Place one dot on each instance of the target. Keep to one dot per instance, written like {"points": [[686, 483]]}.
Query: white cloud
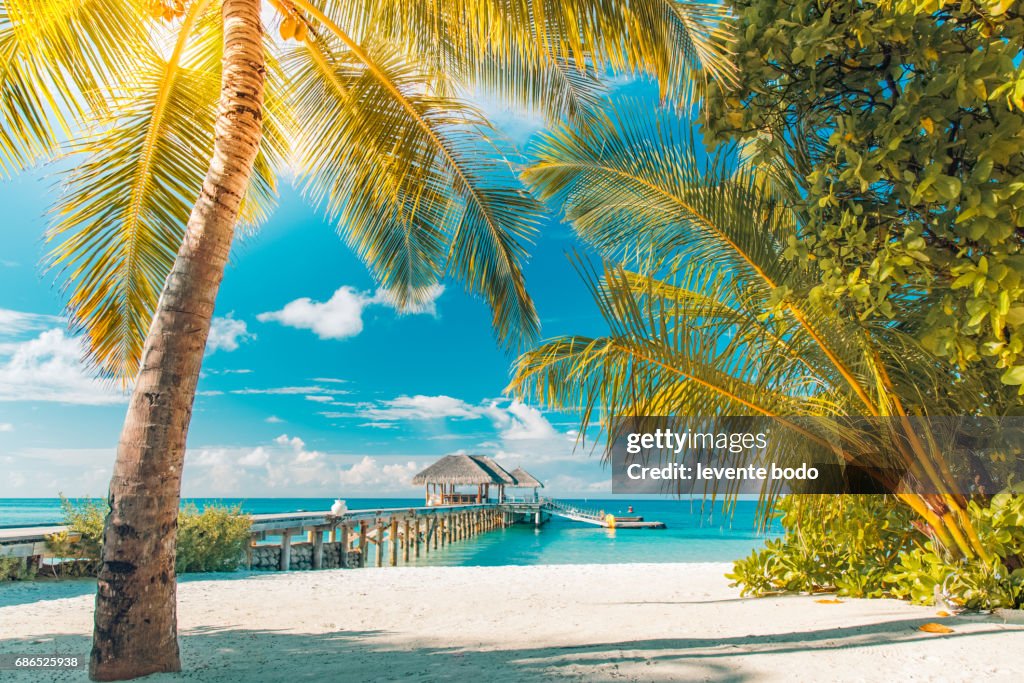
{"points": [[50, 368], [6, 427], [516, 420], [320, 398], [526, 423], [330, 380], [273, 419], [421, 407], [287, 466], [341, 316], [45, 472], [379, 425], [286, 391], [369, 473], [518, 124], [18, 322], [226, 334]]}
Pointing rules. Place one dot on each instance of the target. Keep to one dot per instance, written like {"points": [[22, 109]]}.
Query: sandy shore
{"points": [[590, 623]]}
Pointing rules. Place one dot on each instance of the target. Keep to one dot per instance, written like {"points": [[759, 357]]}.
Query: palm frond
{"points": [[58, 61], [125, 205], [413, 176], [680, 43], [636, 180], [664, 361]]}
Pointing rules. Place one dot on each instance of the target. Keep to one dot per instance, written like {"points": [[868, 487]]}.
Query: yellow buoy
{"points": [[609, 519]]}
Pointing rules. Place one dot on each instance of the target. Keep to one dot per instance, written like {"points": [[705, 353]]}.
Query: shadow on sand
{"points": [[213, 654]]}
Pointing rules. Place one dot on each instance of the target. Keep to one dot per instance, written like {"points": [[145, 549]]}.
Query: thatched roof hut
{"points": [[462, 470], [525, 480]]}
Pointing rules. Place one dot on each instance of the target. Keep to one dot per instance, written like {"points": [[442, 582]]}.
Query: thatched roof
{"points": [[464, 470], [506, 477], [525, 480]]}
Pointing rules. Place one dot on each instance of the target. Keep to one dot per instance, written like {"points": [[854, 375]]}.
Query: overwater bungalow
{"points": [[442, 479], [525, 480]]}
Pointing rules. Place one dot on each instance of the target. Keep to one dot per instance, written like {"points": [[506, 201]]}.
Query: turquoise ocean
{"points": [[697, 531]]}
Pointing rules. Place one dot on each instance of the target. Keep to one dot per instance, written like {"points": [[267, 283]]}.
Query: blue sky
{"points": [[313, 385]]}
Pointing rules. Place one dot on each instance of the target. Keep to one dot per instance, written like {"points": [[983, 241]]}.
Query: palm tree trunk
{"points": [[136, 612]]}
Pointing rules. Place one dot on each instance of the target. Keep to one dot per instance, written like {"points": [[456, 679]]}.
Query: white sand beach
{"points": [[632, 622]]}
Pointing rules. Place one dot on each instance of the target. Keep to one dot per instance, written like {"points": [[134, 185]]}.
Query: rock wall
{"points": [[268, 557]]}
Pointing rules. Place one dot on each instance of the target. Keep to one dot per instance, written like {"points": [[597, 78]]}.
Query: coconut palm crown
{"points": [[365, 106], [708, 318]]}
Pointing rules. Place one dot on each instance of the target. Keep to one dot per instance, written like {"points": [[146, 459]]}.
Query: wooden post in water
{"points": [[286, 549], [318, 548], [344, 546], [380, 542], [442, 522], [362, 543], [394, 541], [406, 541], [416, 535]]}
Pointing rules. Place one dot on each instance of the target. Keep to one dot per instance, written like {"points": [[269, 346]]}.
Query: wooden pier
{"points": [[390, 536], [385, 537], [358, 538]]}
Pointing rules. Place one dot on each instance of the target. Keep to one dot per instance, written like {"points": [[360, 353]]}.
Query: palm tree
{"points": [[172, 119], [708, 318]]}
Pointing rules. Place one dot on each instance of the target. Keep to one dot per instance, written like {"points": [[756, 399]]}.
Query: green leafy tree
{"points": [[902, 123], [174, 119]]}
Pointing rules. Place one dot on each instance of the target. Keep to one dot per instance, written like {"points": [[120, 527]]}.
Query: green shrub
{"points": [[15, 569], [832, 543], [213, 540], [998, 582], [85, 518], [870, 546]]}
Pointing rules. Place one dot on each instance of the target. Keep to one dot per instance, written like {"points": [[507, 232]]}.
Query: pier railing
{"points": [[573, 511]]}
